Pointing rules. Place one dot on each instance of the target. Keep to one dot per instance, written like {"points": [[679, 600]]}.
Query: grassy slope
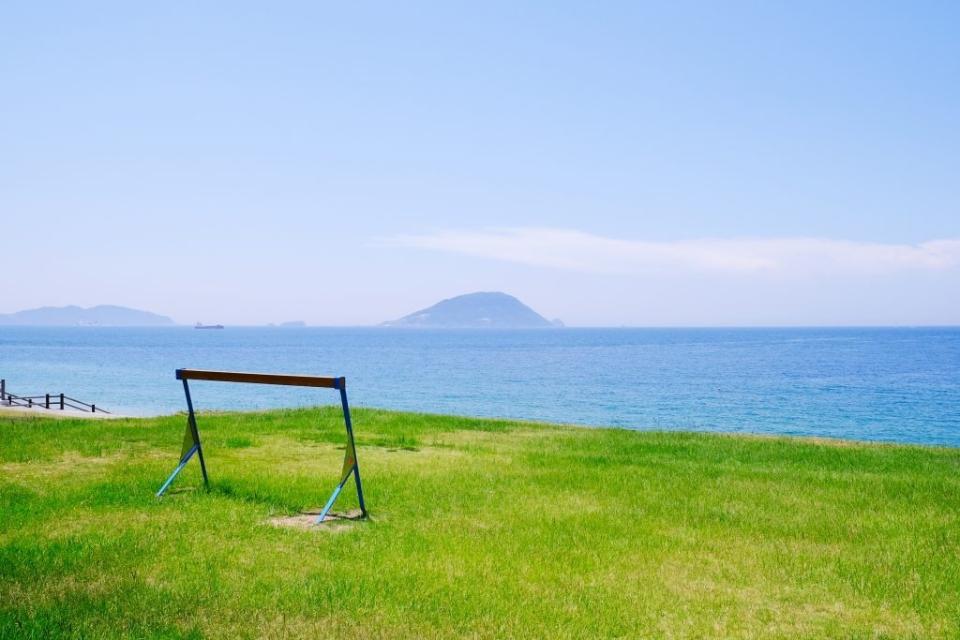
{"points": [[479, 528]]}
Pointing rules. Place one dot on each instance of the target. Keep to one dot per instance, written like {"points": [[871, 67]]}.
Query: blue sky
{"points": [[608, 163]]}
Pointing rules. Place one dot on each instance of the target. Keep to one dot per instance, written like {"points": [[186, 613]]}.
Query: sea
{"points": [[882, 384]]}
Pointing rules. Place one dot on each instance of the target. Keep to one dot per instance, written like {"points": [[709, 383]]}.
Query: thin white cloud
{"points": [[585, 252]]}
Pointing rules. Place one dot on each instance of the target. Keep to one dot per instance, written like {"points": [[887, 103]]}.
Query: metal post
{"points": [[195, 449], [47, 406], [351, 457], [61, 402], [356, 462], [93, 408], [3, 388], [192, 421]]}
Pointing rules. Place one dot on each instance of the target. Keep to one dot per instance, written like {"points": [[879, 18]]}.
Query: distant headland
{"points": [[482, 310], [100, 316]]}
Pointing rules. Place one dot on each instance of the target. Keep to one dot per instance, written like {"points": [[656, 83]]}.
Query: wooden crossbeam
{"points": [[290, 380]]}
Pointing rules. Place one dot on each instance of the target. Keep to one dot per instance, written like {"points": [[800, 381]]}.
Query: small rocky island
{"points": [[482, 310]]}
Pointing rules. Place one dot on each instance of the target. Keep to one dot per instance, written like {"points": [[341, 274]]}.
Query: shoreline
{"points": [[56, 413], [746, 435]]}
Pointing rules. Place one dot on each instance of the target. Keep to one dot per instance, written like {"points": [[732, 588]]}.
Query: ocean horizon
{"points": [[895, 384]]}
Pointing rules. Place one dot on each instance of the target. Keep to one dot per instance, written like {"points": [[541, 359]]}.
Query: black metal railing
{"points": [[50, 401]]}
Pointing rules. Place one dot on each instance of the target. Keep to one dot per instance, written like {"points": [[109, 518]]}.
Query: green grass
{"points": [[479, 528]]}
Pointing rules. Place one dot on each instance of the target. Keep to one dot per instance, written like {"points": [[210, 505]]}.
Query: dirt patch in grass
{"points": [[334, 522]]}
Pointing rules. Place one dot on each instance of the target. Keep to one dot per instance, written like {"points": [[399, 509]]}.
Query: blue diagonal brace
{"points": [[183, 463], [333, 498]]}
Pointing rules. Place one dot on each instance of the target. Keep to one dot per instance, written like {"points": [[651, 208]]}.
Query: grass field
{"points": [[479, 528]]}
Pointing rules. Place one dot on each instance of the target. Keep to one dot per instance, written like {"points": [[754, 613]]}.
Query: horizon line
{"points": [[551, 328]]}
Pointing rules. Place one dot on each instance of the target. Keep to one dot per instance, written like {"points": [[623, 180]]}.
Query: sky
{"points": [[610, 164]]}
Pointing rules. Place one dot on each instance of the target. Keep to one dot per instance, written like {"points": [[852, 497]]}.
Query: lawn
{"points": [[478, 528]]}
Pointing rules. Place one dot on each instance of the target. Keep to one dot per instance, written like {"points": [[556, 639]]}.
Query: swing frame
{"points": [[191, 440]]}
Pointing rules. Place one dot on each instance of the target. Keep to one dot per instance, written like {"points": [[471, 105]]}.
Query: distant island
{"points": [[483, 310], [101, 316]]}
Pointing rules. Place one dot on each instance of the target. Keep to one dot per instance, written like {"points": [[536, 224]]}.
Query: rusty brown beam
{"points": [[261, 378]]}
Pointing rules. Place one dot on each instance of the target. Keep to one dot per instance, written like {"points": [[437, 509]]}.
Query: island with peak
{"points": [[482, 310]]}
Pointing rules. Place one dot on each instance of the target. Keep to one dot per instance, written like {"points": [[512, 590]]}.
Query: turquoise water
{"points": [[878, 384]]}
